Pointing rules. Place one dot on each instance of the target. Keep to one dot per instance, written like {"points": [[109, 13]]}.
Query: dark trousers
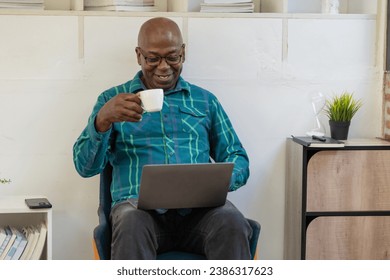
{"points": [[218, 233]]}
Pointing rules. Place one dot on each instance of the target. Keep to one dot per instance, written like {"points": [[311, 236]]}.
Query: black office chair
{"points": [[102, 232]]}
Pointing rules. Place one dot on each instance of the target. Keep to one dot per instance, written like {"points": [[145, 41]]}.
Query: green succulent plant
{"points": [[342, 107]]}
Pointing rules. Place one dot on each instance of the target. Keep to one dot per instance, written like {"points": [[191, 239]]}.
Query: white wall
{"points": [[263, 70]]}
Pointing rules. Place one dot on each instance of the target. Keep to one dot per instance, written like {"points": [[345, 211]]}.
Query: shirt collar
{"points": [[137, 85]]}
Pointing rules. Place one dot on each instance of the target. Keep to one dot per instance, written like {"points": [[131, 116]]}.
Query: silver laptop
{"points": [[175, 186]]}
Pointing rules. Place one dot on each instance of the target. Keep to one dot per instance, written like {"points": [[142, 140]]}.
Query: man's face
{"points": [[161, 62]]}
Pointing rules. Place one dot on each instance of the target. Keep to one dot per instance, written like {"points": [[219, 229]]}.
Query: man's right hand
{"points": [[122, 107]]}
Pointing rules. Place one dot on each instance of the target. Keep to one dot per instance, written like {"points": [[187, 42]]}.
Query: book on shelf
{"points": [[32, 235], [11, 240], [17, 248], [38, 249], [247, 7], [22, 4], [3, 235], [225, 1], [21, 247], [23, 1], [123, 8], [309, 141], [15, 244], [118, 3], [5, 239]]}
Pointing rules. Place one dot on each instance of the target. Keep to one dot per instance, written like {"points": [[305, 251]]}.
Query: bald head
{"points": [[160, 52], [158, 30]]}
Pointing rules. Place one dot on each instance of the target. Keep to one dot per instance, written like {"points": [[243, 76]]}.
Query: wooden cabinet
{"points": [[14, 212], [338, 201]]}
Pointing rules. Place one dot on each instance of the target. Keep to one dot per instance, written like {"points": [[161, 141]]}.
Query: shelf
{"points": [[14, 212], [185, 15], [183, 8]]}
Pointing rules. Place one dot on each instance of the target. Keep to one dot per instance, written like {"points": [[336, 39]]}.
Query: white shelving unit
{"points": [[14, 212], [261, 6]]}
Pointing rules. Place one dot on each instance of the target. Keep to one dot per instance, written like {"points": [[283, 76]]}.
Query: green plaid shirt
{"points": [[192, 127]]}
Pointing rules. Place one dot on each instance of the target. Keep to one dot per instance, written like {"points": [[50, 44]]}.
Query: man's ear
{"points": [[184, 52], [138, 53]]}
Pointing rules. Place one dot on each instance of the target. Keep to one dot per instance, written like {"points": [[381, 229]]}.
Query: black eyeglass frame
{"points": [[160, 58]]}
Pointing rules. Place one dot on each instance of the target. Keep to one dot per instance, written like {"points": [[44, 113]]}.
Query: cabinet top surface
{"points": [[367, 142], [16, 204], [360, 142]]}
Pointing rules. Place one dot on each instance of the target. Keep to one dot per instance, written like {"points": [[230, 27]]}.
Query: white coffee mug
{"points": [[152, 99]]}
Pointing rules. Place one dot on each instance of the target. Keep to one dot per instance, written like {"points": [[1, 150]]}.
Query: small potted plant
{"points": [[340, 110]]}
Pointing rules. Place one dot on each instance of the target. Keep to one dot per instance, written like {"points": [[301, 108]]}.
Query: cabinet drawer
{"points": [[349, 180], [362, 237]]}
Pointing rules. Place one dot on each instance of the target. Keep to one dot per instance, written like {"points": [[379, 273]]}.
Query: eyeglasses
{"points": [[171, 59]]}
